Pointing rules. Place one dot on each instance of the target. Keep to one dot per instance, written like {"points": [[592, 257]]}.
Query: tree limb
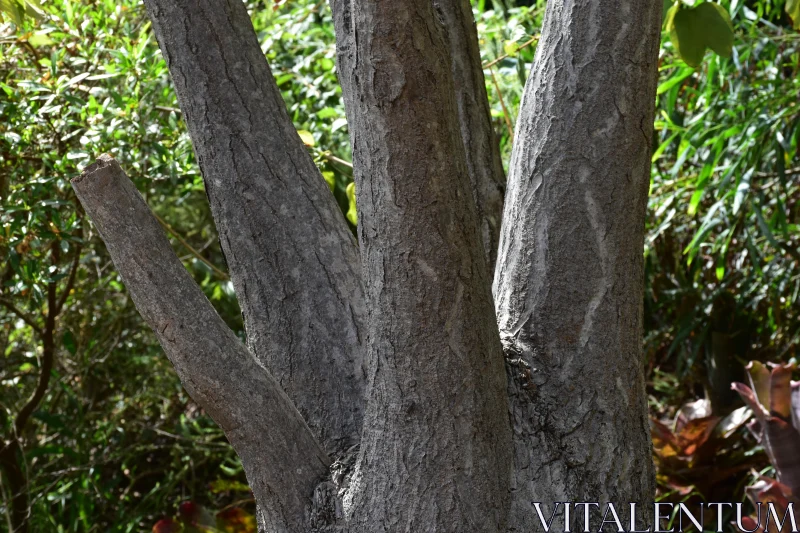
{"points": [[282, 459], [22, 315], [46, 368], [480, 142], [436, 420], [291, 256], [569, 279], [73, 271]]}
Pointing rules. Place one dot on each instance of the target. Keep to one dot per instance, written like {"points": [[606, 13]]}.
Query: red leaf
{"points": [[167, 525]]}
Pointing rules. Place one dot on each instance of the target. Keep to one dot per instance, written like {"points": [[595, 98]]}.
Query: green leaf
{"points": [[68, 339], [685, 35], [40, 39], [678, 77], [223, 485], [307, 137], [793, 10], [667, 7], [15, 9], [330, 179], [692, 30], [510, 48], [718, 27], [352, 214]]}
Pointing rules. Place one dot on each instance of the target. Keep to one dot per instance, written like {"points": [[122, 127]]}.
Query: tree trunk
{"points": [[569, 280], [396, 345], [436, 419]]}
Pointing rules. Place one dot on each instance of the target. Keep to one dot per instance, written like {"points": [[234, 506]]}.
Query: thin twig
{"points": [[46, 368], [71, 281], [506, 114], [25, 318], [333, 159], [490, 64], [189, 247], [786, 172]]}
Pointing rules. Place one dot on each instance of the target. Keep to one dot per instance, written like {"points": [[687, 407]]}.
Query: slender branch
{"points": [[490, 64], [787, 172], [282, 459], [23, 316], [189, 247], [506, 114], [333, 159], [71, 280], [46, 368]]}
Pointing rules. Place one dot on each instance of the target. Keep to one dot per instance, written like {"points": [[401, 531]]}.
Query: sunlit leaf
{"points": [[307, 137], [692, 30], [352, 215], [793, 10]]}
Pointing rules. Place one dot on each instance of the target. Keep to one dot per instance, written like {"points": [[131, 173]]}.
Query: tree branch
{"points": [[73, 271], [291, 256], [46, 368], [282, 459], [198, 255], [436, 400], [475, 123], [22, 315], [569, 280]]}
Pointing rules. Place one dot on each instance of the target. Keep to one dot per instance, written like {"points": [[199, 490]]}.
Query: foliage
{"points": [[699, 456], [722, 261], [775, 401], [193, 518], [692, 30], [114, 435]]}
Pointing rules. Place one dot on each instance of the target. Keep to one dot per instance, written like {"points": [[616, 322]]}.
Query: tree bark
{"points": [[481, 146], [282, 460], [292, 259], [569, 278], [435, 452], [482, 151]]}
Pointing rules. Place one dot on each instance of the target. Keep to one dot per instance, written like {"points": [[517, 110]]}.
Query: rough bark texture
{"points": [[569, 278], [437, 449], [480, 143], [292, 259], [484, 166], [282, 459], [435, 452]]}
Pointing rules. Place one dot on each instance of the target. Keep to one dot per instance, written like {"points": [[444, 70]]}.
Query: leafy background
{"points": [[115, 444]]}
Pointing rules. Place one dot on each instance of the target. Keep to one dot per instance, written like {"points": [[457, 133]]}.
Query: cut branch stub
{"points": [[282, 459]]}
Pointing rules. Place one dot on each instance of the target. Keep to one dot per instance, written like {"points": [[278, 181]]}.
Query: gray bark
{"points": [[292, 259], [569, 278], [482, 150], [282, 459], [435, 452], [484, 166]]}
